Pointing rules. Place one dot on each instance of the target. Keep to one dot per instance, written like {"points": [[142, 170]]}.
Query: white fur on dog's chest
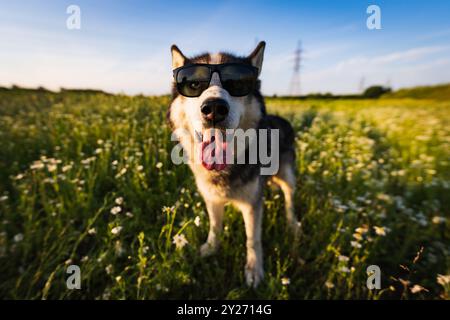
{"points": [[208, 188], [211, 190]]}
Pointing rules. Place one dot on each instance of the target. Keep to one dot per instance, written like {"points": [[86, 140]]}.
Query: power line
{"points": [[362, 84], [295, 81]]}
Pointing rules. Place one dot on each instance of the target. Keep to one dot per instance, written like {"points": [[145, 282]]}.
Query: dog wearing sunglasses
{"points": [[218, 92]]}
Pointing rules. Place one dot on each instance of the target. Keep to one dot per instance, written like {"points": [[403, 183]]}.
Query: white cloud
{"points": [[416, 66]]}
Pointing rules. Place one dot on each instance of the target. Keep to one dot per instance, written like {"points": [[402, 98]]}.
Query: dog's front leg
{"points": [[252, 214], [215, 212]]}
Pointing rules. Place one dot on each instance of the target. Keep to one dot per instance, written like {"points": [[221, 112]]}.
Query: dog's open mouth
{"points": [[213, 149]]}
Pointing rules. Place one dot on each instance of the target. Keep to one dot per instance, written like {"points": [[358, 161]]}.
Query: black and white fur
{"points": [[239, 184]]}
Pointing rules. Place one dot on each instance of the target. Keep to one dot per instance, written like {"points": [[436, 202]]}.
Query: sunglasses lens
{"points": [[238, 80], [192, 81]]}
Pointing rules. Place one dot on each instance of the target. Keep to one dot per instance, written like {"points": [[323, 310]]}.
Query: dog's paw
{"points": [[207, 249], [254, 273]]}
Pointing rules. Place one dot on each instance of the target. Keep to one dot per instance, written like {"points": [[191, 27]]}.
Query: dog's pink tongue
{"points": [[213, 150]]}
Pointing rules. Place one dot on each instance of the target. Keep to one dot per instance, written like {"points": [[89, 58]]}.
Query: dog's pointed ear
{"points": [[178, 58], [257, 56]]}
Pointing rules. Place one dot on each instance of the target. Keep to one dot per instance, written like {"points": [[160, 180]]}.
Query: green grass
{"points": [[438, 92], [66, 160]]}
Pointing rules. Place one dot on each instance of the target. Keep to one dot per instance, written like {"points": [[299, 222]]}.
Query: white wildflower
{"points": [[443, 280], [166, 209], [37, 165], [357, 236], [116, 210], [197, 221], [355, 244], [18, 237], [362, 230], [341, 208], [285, 281], [116, 230], [87, 161], [66, 168], [381, 231], [179, 240], [418, 288], [438, 220], [121, 172], [344, 269], [109, 268]]}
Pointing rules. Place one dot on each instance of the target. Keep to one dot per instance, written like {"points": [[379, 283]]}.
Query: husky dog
{"points": [[219, 92]]}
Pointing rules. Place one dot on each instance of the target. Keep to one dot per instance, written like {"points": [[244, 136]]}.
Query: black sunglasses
{"points": [[238, 79]]}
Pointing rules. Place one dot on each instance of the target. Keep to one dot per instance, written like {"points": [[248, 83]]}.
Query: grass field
{"points": [[86, 179]]}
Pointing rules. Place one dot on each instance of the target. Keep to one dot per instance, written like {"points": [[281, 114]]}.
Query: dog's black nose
{"points": [[215, 110]]}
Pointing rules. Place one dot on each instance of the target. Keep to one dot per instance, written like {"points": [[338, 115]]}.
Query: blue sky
{"points": [[123, 46]]}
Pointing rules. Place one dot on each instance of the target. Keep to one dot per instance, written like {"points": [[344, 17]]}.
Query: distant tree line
{"points": [[373, 92], [17, 88]]}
